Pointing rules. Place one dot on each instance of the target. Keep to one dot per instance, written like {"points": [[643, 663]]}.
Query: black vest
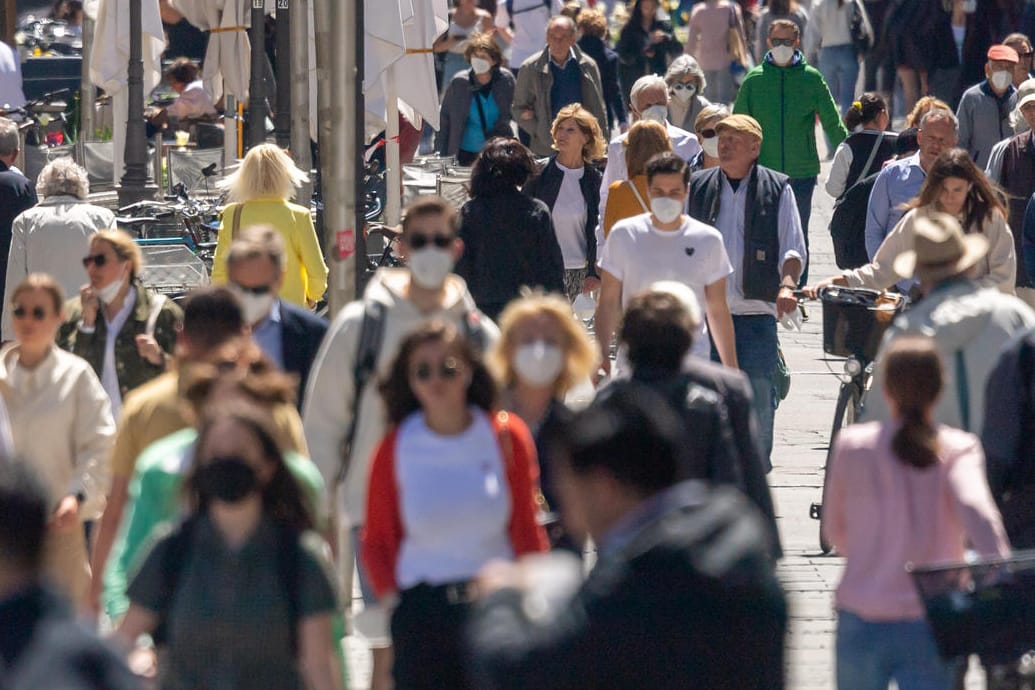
{"points": [[1017, 178], [760, 273]]}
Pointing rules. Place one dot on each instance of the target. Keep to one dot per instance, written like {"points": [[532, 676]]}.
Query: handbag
{"points": [[741, 61], [860, 30]]}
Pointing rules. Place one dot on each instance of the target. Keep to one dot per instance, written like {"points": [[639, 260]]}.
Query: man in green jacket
{"points": [[785, 95]]}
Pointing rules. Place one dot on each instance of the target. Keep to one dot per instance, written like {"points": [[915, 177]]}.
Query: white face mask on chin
{"points": [[430, 267], [109, 292], [256, 307], [657, 113]]}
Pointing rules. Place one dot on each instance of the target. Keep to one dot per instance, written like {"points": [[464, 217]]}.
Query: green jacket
{"points": [[132, 369], [785, 101]]}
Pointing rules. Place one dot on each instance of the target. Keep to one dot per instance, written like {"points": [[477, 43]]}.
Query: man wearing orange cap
{"points": [[984, 110]]}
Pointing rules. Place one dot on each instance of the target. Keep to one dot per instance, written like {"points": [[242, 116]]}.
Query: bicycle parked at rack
{"points": [[854, 321]]}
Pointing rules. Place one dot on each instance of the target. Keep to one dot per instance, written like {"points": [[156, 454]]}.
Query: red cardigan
{"points": [[383, 532]]}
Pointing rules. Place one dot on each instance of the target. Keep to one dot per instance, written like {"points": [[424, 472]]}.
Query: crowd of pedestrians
{"points": [[208, 476]]}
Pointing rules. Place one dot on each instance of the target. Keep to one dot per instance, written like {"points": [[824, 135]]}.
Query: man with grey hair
{"points": [[54, 236], [289, 335], [558, 75], [16, 192], [648, 100], [901, 181]]}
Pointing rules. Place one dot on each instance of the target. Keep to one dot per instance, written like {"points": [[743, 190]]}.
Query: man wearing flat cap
{"points": [[754, 209], [984, 110], [970, 324]]}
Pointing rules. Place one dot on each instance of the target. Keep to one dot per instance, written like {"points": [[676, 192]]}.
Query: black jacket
{"points": [[17, 194], [301, 333], [723, 435], [547, 185], [690, 602], [509, 242], [607, 61], [633, 46]]}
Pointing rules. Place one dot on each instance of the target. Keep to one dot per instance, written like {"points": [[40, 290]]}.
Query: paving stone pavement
{"points": [[803, 423]]}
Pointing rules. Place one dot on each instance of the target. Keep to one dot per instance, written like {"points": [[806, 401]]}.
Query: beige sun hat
{"points": [[940, 249]]}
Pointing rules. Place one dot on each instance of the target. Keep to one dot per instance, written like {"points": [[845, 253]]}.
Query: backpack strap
{"points": [[962, 391], [371, 333]]}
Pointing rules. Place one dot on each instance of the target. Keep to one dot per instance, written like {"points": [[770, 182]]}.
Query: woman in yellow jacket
{"points": [[260, 190]]}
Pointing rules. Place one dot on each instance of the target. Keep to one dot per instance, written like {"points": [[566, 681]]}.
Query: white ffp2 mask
{"points": [[430, 267], [710, 146], [538, 363], [666, 210], [1001, 79], [657, 113], [782, 54], [480, 65]]}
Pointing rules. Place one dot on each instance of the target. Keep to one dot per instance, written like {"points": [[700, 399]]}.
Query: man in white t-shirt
{"points": [[522, 23], [665, 244]]}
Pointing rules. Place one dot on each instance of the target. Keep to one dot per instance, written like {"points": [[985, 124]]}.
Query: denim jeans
{"points": [[756, 342], [840, 69], [871, 654], [803, 188]]}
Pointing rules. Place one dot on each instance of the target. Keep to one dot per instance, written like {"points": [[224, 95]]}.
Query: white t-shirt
{"points": [[454, 502], [569, 218], [639, 255], [109, 372], [530, 19]]}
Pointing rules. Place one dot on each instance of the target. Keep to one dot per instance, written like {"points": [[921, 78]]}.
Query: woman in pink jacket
{"points": [[902, 491]]}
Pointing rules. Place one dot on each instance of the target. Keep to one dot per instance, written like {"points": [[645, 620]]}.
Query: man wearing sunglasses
{"points": [[784, 94], [343, 409], [288, 334]]}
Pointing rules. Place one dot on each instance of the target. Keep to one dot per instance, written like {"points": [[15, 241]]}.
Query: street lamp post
{"points": [[257, 84], [282, 123], [134, 186]]}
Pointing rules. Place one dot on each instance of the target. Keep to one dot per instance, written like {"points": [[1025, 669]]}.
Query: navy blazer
{"points": [[301, 332], [17, 194]]}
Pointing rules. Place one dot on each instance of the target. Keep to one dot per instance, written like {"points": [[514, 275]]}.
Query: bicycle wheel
{"points": [[849, 400]]}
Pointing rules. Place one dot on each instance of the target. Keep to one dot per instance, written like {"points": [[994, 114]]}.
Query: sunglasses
{"points": [[448, 369], [38, 313], [1025, 55], [789, 42], [97, 260], [708, 133], [256, 290], [683, 87], [421, 241]]}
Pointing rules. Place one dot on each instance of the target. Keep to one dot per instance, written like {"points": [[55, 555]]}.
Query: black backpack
{"points": [[177, 554], [848, 224]]}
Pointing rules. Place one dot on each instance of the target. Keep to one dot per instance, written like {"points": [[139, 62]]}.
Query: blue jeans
{"points": [[840, 69], [803, 188], [756, 342], [871, 654]]}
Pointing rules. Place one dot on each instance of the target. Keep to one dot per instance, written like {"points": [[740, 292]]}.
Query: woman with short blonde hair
{"points": [[569, 184], [542, 354], [629, 197], [261, 190]]}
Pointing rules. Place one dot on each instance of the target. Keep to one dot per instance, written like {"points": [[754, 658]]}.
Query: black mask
{"points": [[229, 479]]}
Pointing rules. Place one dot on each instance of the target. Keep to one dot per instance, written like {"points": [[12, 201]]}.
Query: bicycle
{"points": [[854, 321]]}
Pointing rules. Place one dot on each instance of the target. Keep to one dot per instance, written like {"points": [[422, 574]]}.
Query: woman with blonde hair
{"points": [[542, 354], [569, 185], [922, 107], [629, 197], [125, 332], [260, 191], [61, 424]]}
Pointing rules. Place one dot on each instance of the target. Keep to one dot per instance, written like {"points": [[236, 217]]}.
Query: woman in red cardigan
{"points": [[452, 487]]}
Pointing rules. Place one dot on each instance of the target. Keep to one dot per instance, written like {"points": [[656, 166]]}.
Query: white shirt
{"points": [[730, 222], [683, 143], [109, 372], [193, 102], [11, 93], [454, 502], [569, 218], [530, 19], [639, 255]]}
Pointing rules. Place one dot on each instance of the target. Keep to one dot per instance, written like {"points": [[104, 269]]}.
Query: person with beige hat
{"points": [[969, 323]]}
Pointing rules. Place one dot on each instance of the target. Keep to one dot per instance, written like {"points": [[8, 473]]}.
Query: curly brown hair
{"points": [[398, 395], [483, 42]]}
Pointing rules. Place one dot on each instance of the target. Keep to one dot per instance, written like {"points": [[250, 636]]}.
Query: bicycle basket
{"points": [[854, 320], [172, 268], [984, 607]]}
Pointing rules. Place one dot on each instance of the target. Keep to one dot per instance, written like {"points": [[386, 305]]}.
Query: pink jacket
{"points": [[881, 514]]}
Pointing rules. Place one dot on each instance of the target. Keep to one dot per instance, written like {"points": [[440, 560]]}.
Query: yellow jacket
{"points": [[305, 275]]}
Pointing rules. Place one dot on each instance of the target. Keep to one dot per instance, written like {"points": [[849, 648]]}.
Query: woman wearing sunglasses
{"points": [[61, 424], [126, 333], [704, 128], [452, 487], [686, 83]]}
